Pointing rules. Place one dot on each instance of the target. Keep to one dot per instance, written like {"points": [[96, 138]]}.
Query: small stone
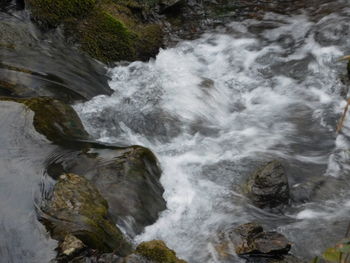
{"points": [[248, 230], [255, 242], [268, 186], [71, 245]]}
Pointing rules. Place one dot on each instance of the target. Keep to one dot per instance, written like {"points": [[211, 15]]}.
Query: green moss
{"points": [[157, 251], [106, 38], [108, 30], [54, 119], [151, 39], [54, 12]]}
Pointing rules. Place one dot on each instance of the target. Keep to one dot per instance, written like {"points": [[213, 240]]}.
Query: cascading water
{"points": [[215, 108]]}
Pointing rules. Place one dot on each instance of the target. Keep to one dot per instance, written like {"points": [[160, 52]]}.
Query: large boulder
{"points": [[107, 30], [268, 186], [76, 215], [128, 178]]}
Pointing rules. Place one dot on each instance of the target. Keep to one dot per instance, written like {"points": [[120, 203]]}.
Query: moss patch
{"points": [[54, 12], [108, 30], [54, 119], [106, 38], [157, 251]]}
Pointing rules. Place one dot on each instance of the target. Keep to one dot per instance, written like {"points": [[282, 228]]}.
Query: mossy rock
{"points": [[54, 12], [157, 251], [128, 178], [54, 119], [77, 208], [105, 37], [107, 30]]}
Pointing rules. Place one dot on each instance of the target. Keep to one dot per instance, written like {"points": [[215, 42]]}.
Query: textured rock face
{"points": [[268, 186], [76, 210]]}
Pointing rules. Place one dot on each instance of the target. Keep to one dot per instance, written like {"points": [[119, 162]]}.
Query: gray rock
{"points": [[251, 242], [268, 186], [77, 209], [128, 178]]}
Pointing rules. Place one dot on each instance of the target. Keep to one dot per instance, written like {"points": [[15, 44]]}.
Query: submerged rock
{"points": [[268, 186], [54, 119], [77, 211]]}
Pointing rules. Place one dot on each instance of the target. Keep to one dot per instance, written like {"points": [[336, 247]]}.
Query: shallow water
{"points": [[22, 156], [37, 63], [215, 108]]}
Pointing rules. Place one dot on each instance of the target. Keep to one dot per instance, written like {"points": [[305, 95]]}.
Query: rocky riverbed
{"points": [[173, 131]]}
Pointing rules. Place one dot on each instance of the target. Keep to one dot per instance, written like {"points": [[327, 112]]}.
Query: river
{"points": [[213, 109]]}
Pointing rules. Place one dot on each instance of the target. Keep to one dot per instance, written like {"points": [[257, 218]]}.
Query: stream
{"points": [[213, 110]]}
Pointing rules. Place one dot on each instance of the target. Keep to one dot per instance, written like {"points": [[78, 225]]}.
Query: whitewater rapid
{"points": [[215, 108]]}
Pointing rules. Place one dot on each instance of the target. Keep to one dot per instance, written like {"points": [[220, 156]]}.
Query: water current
{"points": [[215, 108]]}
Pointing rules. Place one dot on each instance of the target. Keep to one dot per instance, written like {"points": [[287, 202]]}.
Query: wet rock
{"points": [[268, 186], [128, 178], [54, 119], [264, 244], [76, 208], [156, 251], [251, 242], [107, 30], [169, 5], [71, 246]]}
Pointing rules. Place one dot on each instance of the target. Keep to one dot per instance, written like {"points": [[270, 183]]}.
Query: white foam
{"points": [[232, 97]]}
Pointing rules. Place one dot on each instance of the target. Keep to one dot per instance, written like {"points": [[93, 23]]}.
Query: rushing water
{"points": [[215, 108]]}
